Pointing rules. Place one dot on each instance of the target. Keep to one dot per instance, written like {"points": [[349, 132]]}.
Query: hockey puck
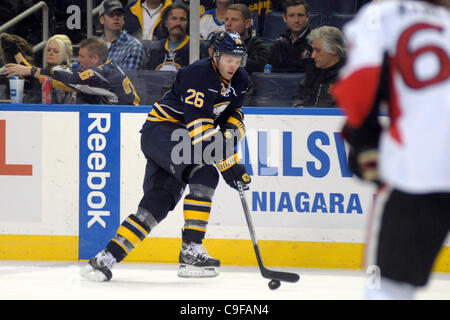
{"points": [[274, 284]]}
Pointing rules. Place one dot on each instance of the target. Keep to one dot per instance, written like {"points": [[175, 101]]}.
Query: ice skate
{"points": [[196, 263], [99, 267]]}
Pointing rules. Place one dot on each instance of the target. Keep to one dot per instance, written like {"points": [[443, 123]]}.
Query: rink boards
{"points": [[70, 174]]}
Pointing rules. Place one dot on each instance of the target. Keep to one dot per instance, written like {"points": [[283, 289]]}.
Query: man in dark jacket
{"points": [[291, 51], [328, 56], [238, 19], [171, 53]]}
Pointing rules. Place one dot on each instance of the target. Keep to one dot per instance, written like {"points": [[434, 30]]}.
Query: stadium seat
{"points": [[329, 6], [315, 19], [344, 6], [149, 84], [274, 25], [323, 6], [274, 89], [339, 19]]}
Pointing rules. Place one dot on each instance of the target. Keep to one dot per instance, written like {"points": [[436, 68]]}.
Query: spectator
{"points": [[329, 56], [291, 51], [143, 18], [100, 82], [214, 20], [238, 19], [58, 55], [259, 9], [172, 53], [124, 50], [11, 46]]}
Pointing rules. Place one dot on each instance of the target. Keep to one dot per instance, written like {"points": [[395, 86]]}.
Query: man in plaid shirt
{"points": [[124, 50]]}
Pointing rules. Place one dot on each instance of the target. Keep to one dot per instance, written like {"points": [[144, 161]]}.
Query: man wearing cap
{"points": [[124, 50]]}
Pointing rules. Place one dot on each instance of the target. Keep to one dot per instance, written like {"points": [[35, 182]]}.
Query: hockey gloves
{"points": [[234, 131], [234, 172], [363, 163], [363, 154]]}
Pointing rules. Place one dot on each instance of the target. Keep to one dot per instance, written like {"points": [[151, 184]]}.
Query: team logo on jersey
{"points": [[227, 90], [219, 108]]}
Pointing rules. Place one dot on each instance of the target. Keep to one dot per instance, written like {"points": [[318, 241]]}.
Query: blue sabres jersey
{"points": [[104, 84], [201, 100]]}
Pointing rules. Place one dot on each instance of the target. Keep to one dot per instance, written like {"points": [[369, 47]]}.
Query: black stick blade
{"points": [[279, 275]]}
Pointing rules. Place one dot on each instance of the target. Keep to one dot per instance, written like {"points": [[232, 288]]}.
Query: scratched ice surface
{"points": [[61, 280]]}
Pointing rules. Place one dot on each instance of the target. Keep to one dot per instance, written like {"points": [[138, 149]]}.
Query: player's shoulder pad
{"points": [[240, 81], [200, 73]]}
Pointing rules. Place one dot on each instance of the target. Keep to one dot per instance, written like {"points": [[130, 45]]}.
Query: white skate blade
{"points": [[188, 271], [93, 275]]}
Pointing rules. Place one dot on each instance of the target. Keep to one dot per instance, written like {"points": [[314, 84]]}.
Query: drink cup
{"points": [[16, 89]]}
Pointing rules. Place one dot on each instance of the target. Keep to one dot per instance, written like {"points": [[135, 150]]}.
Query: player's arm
{"points": [[233, 126], [60, 79], [361, 88], [202, 130]]}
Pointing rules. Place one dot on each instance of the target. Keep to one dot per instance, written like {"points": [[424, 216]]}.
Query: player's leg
{"points": [[194, 259], [162, 191], [412, 231]]}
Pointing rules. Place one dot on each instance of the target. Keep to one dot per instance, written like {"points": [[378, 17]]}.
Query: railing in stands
{"points": [[91, 12], [38, 6]]}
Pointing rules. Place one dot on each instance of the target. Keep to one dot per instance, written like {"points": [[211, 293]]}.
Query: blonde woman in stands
{"points": [[58, 56]]}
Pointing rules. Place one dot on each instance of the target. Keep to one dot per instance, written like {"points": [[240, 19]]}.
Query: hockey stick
{"points": [[275, 276]]}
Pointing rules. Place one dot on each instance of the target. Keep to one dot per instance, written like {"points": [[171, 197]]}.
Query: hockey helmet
{"points": [[229, 43]]}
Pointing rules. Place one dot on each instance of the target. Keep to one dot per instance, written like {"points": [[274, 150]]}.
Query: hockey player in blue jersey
{"points": [[204, 105], [99, 82]]}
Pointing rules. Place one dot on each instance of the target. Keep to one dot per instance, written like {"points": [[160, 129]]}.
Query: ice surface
{"points": [[31, 280]]}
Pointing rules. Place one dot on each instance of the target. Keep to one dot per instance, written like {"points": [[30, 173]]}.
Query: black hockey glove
{"points": [[364, 163], [363, 154], [234, 172]]}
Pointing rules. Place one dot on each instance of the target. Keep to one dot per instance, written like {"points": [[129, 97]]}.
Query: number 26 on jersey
{"points": [[194, 98]]}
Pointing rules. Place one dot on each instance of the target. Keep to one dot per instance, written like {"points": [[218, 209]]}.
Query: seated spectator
{"points": [[329, 56], [124, 50], [259, 9], [214, 20], [143, 19], [291, 51], [171, 53], [100, 82], [14, 49], [238, 19], [58, 56]]}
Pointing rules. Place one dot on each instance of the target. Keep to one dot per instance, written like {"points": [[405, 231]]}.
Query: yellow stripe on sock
{"points": [[196, 215], [129, 235]]}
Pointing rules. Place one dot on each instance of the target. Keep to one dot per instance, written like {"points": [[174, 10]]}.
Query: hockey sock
{"points": [[196, 215], [197, 204], [152, 209], [131, 232]]}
